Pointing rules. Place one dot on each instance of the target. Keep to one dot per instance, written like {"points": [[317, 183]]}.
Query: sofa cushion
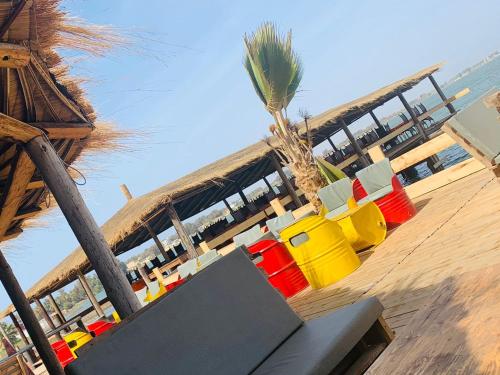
{"points": [[321, 344], [277, 224], [224, 320], [376, 176]]}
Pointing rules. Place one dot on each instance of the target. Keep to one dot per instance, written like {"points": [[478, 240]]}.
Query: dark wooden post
{"points": [[231, 211], [434, 159], [24, 339], [46, 317], [242, 195], [441, 94], [413, 116], [377, 122], [88, 291], [153, 235], [56, 308], [82, 223], [269, 186], [286, 181], [362, 158], [335, 149], [28, 317], [181, 231]]}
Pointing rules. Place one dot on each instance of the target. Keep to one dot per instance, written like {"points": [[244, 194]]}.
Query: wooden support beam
{"points": [[441, 94], [56, 308], [376, 120], [376, 153], [19, 179], [5, 89], [271, 190], [357, 148], [231, 211], [242, 196], [181, 231], [144, 275], [286, 181], [29, 319], [65, 130], [334, 148], [14, 56], [413, 116], [278, 207], [159, 245], [204, 247], [82, 223], [36, 184], [88, 291], [17, 130], [422, 152], [12, 17], [26, 214], [31, 354], [46, 317]]}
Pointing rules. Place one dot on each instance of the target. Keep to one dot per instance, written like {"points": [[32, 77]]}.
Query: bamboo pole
{"points": [[153, 235], [28, 317], [90, 294], [286, 181], [83, 225], [181, 231], [354, 143]]}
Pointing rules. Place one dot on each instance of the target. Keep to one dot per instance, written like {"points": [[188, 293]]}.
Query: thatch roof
{"points": [[203, 188], [37, 90]]}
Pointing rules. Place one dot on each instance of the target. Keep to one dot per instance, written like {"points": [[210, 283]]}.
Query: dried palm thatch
{"points": [[43, 94]]}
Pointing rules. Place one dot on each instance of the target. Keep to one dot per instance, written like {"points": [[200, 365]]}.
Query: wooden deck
{"points": [[455, 231]]}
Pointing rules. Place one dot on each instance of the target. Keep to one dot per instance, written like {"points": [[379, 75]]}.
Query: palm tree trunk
{"points": [[300, 161]]}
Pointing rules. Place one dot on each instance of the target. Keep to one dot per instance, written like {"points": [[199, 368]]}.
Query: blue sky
{"points": [[182, 81]]}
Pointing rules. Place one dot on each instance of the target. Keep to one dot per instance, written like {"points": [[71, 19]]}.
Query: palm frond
{"points": [[330, 172], [274, 68]]}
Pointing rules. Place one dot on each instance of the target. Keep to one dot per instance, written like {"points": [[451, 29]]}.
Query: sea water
{"points": [[479, 81]]}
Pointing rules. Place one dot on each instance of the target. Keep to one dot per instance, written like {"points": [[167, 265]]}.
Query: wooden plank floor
{"points": [[455, 231]]}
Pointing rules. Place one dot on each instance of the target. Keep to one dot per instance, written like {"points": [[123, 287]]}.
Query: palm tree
{"points": [[276, 71]]}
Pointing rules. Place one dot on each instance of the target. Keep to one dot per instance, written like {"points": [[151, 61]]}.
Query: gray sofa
{"points": [[227, 319]]}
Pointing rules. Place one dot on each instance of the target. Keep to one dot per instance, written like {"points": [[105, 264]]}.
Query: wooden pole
{"points": [[335, 149], [231, 211], [377, 122], [181, 231], [144, 274], [24, 339], [56, 308], [269, 186], [153, 235], [28, 317], [90, 294], [46, 317], [242, 195], [441, 94], [413, 116], [286, 181], [82, 223], [362, 158]]}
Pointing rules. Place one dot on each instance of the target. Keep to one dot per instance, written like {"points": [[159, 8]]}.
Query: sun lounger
{"points": [[227, 320], [477, 129]]}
